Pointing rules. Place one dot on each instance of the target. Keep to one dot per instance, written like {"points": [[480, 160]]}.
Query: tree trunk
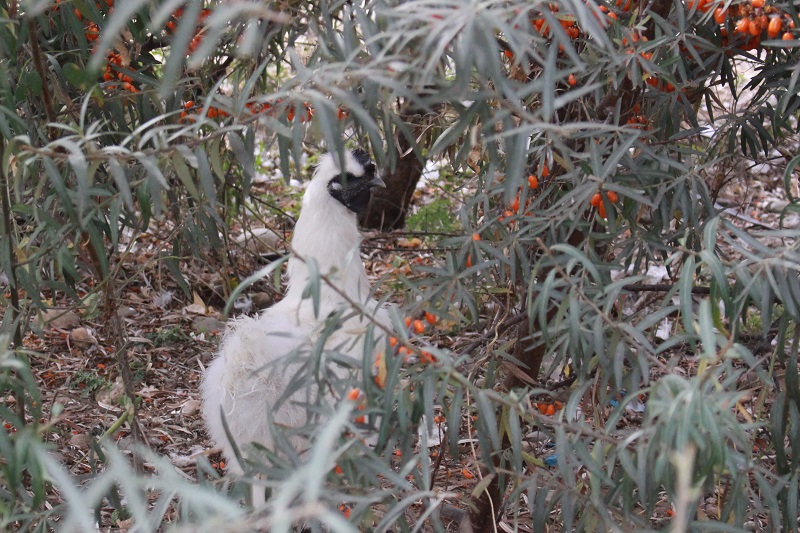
{"points": [[388, 207]]}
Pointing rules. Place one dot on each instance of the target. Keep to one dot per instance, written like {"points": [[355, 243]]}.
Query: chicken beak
{"points": [[377, 182]]}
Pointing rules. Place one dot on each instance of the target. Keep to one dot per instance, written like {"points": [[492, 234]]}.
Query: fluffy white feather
{"points": [[252, 369]]}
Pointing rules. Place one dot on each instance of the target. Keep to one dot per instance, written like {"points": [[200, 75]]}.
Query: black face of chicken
{"points": [[352, 189]]}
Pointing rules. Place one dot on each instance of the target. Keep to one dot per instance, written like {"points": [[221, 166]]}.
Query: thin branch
{"points": [[39, 66]]}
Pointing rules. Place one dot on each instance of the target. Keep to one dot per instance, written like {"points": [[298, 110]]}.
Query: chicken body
{"points": [[259, 356]]}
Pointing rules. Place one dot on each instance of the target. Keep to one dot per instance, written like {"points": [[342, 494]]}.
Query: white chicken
{"points": [[258, 356]]}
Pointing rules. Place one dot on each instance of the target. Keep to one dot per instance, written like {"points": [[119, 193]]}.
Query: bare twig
{"points": [[39, 66], [12, 279]]}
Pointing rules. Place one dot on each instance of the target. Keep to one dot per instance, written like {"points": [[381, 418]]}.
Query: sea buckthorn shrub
{"points": [[589, 143]]}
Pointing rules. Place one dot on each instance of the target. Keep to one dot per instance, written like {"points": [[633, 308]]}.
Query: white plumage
{"points": [[244, 379]]}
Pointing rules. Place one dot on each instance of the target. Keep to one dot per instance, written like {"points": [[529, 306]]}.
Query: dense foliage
{"points": [[587, 144]]}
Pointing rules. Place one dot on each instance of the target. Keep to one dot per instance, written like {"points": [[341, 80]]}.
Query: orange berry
{"points": [[408, 321], [171, 26], [509, 54], [419, 326], [427, 357], [393, 341], [466, 473], [545, 171], [476, 236], [430, 318], [353, 394], [189, 104], [720, 14], [469, 261], [755, 27], [338, 470], [212, 112], [551, 410], [596, 200], [572, 80], [774, 27], [533, 182], [515, 204], [612, 197], [108, 75], [743, 25], [787, 36], [758, 4], [542, 407], [601, 209]]}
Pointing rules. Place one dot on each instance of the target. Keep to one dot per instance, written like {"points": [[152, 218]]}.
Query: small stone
{"points": [[190, 408], [60, 319], [262, 300], [81, 440], [207, 324], [82, 336]]}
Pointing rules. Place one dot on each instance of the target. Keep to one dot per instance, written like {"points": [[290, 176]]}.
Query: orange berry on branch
{"points": [[419, 327], [354, 394], [476, 236], [787, 36], [743, 25], [572, 80], [755, 27], [758, 4], [533, 182], [601, 209], [430, 318], [612, 197], [720, 14], [427, 357], [774, 27], [596, 201]]}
